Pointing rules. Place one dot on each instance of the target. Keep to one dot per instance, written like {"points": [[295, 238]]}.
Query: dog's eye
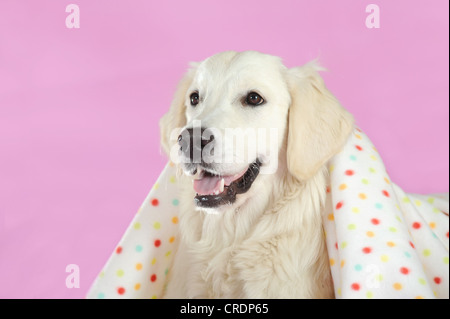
{"points": [[195, 99], [254, 99]]}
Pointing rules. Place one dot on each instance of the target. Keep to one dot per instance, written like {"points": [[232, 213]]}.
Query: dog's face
{"points": [[235, 112], [233, 100]]}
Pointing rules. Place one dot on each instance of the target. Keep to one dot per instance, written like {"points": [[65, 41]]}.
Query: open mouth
{"points": [[216, 190]]}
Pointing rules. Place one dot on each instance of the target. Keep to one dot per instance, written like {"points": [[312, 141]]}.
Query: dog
{"points": [[245, 233]]}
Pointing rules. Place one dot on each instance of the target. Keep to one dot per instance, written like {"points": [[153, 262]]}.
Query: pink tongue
{"points": [[207, 185], [211, 184]]}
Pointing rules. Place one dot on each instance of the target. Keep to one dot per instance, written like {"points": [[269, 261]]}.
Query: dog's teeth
{"points": [[216, 192], [222, 185], [201, 172]]}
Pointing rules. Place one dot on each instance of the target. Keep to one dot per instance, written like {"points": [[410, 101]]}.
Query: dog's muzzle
{"points": [[212, 190]]}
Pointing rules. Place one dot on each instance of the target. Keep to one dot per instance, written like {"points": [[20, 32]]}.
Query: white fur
{"points": [[270, 242]]}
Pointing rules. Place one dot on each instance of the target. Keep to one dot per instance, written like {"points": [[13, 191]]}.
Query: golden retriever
{"points": [[246, 233]]}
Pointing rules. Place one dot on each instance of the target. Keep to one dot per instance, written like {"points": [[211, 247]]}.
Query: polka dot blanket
{"points": [[382, 242]]}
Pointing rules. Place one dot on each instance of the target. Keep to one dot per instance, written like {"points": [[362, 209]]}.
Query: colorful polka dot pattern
{"points": [[140, 263], [382, 242]]}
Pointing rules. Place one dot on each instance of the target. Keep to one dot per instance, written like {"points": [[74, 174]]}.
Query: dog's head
{"points": [[235, 113]]}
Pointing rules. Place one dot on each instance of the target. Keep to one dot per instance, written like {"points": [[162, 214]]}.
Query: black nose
{"points": [[192, 142]]}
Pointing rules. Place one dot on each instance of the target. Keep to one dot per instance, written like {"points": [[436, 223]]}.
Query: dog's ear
{"points": [[175, 117], [318, 125]]}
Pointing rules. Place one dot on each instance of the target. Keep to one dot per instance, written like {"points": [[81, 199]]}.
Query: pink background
{"points": [[79, 108]]}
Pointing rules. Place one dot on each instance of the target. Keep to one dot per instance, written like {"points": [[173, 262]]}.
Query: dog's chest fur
{"points": [[254, 252]]}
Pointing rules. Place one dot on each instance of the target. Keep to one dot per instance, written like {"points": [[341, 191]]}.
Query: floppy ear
{"points": [[175, 117], [318, 125]]}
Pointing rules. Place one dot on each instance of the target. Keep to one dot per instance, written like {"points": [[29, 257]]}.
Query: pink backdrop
{"points": [[79, 108]]}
